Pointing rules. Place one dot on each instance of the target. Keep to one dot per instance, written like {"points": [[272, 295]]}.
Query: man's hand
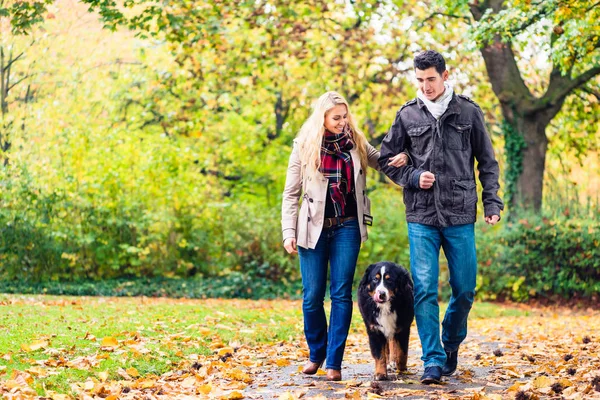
{"points": [[399, 160], [290, 245], [492, 219], [426, 180]]}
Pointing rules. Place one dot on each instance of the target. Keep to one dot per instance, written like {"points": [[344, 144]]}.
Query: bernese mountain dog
{"points": [[385, 300]]}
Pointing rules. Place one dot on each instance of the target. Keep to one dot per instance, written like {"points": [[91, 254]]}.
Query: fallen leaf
{"points": [[109, 341]]}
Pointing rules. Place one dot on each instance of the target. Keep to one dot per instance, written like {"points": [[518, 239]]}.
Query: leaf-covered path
{"points": [[106, 348], [549, 354]]}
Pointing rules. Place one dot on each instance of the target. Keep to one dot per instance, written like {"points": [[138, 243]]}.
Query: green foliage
{"points": [[569, 29], [514, 143], [165, 158], [254, 283], [23, 15], [388, 237], [538, 257]]}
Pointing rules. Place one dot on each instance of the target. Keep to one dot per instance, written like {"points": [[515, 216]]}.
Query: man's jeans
{"points": [[458, 243], [339, 246]]}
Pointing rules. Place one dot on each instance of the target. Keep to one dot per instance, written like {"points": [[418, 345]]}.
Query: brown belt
{"points": [[331, 222]]}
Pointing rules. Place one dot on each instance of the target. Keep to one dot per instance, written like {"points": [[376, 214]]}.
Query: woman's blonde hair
{"points": [[310, 137]]}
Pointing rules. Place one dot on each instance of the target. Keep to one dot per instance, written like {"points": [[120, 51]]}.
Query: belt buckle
{"points": [[327, 223]]}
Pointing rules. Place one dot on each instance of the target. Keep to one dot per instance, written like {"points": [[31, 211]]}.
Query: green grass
{"points": [[64, 322], [170, 333]]}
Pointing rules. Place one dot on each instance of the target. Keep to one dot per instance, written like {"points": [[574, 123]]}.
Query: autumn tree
{"points": [[16, 18], [509, 34]]}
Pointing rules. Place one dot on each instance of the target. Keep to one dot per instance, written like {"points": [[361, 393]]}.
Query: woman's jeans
{"points": [[339, 246], [458, 243]]}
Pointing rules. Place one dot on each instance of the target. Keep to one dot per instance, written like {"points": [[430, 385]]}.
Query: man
{"points": [[442, 132]]}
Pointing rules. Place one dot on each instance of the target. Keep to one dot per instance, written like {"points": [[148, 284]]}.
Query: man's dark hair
{"points": [[430, 58]]}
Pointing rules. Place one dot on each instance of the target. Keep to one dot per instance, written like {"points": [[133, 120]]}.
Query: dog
{"points": [[385, 301]]}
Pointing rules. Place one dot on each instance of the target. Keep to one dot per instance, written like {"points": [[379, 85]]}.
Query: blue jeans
{"points": [[339, 246], [458, 243]]}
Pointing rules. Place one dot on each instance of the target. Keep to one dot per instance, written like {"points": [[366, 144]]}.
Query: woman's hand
{"points": [[399, 160], [290, 245]]}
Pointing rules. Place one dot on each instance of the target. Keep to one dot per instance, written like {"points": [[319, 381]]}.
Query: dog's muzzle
{"points": [[381, 296]]}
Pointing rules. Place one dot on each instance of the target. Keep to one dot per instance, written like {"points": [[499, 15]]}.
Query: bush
{"points": [[538, 257], [233, 285]]}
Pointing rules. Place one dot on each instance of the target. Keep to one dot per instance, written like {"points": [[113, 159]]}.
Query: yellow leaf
{"points": [[565, 382], [354, 395], [148, 383], [239, 375], [109, 341], [515, 387], [235, 395], [205, 389], [132, 372], [40, 344], [542, 382], [282, 362], [103, 376], [224, 351], [37, 371], [371, 395]]}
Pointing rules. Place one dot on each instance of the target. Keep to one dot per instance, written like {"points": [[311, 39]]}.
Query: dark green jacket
{"points": [[447, 148]]}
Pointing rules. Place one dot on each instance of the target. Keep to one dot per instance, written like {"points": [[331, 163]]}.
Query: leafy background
{"points": [[162, 154]]}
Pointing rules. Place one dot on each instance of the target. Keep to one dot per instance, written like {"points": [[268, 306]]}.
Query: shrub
{"points": [[539, 257]]}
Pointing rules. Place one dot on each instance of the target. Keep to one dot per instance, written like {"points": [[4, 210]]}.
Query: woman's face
{"points": [[336, 119]]}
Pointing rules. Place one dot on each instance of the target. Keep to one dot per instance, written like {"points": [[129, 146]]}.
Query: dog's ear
{"points": [[365, 279]]}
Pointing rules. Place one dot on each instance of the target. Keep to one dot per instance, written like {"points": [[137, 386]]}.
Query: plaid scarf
{"points": [[337, 167]]}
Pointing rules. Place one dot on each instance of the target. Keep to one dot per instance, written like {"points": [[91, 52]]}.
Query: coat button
{"points": [[308, 219], [311, 200], [360, 172]]}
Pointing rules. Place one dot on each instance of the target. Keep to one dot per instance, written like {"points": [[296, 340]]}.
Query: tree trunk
{"points": [[530, 184], [525, 114]]}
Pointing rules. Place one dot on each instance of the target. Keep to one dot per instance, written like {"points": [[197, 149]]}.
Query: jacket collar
{"points": [[453, 107]]}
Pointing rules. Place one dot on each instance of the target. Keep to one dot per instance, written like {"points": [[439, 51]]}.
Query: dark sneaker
{"points": [[451, 362], [432, 375]]}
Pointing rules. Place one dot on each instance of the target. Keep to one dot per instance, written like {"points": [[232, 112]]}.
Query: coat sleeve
{"points": [[372, 156], [395, 142], [487, 165], [291, 195]]}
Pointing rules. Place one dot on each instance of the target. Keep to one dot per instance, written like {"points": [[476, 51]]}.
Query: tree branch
{"points": [[592, 6], [437, 13], [561, 86], [591, 91], [16, 83], [11, 61]]}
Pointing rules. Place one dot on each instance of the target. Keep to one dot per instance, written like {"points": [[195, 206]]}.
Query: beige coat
{"points": [[307, 224]]}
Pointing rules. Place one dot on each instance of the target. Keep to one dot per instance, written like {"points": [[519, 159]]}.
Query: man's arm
{"points": [[397, 141], [489, 172]]}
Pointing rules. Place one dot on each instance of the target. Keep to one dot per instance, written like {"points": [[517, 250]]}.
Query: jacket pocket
{"points": [[458, 136], [464, 196], [420, 138], [422, 200]]}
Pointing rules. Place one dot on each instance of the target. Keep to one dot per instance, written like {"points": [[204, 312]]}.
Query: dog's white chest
{"points": [[386, 320]]}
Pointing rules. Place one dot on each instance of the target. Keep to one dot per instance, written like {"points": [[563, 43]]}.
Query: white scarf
{"points": [[438, 107]]}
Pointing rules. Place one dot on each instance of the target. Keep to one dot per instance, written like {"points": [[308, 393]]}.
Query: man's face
{"points": [[431, 82]]}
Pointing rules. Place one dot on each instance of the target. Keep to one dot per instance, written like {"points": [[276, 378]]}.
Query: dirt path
{"points": [[555, 354]]}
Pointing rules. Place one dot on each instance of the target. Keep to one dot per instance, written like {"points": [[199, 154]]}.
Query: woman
{"points": [[327, 168]]}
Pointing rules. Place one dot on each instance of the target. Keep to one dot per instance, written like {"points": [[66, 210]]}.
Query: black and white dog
{"points": [[385, 300]]}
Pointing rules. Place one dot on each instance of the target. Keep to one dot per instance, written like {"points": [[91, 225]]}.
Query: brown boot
{"points": [[334, 375], [311, 368]]}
